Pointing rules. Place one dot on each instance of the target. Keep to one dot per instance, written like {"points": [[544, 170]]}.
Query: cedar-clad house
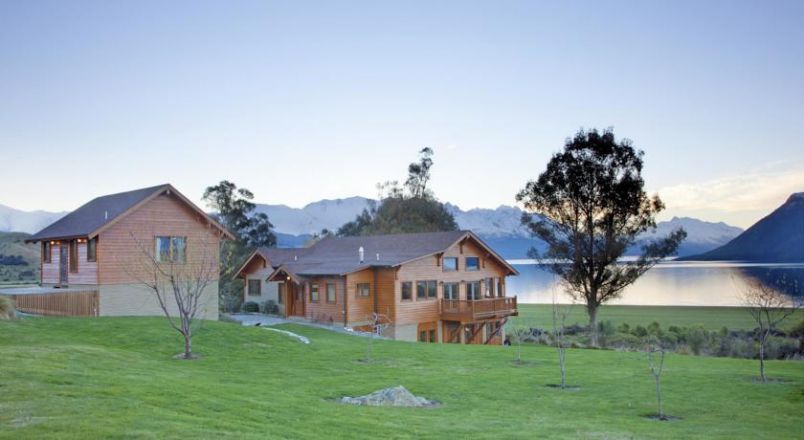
{"points": [[430, 287], [103, 248]]}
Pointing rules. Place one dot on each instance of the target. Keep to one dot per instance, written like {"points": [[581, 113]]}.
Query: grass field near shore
{"points": [[712, 318], [72, 378]]}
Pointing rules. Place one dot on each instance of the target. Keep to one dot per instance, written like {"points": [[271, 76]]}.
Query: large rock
{"points": [[395, 396]]}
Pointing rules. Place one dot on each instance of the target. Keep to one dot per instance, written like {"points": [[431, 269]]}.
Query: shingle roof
{"points": [[101, 211], [338, 256]]}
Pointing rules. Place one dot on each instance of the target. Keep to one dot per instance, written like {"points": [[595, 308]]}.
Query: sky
{"points": [[300, 101]]}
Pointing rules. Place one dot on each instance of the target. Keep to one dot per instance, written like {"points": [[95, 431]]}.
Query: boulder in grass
{"points": [[395, 396]]}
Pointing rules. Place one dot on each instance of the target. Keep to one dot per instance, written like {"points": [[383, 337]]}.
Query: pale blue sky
{"points": [[300, 101]]}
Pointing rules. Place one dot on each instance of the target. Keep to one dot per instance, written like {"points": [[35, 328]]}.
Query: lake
{"points": [[688, 283]]}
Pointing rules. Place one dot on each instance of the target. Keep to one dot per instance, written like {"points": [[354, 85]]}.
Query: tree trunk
{"points": [[591, 310], [659, 397], [188, 345], [563, 368], [762, 339]]}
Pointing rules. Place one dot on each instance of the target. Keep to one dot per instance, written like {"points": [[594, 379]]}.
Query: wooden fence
{"points": [[83, 303]]}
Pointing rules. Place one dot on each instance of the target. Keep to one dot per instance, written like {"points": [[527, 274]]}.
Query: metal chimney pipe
{"points": [[360, 251]]}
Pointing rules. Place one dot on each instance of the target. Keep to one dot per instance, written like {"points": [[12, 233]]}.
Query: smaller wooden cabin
{"points": [[99, 248], [429, 287]]}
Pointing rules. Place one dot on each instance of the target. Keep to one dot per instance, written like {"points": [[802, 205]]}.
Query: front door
{"points": [[297, 300], [63, 262]]}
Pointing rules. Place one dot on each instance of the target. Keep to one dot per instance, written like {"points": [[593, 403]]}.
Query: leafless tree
{"points": [[769, 308], [655, 355], [177, 280], [379, 323], [517, 332], [560, 312]]}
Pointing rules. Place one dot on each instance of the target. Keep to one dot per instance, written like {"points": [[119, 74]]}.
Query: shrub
{"points": [[605, 330], [798, 330], [251, 307], [640, 331], [6, 308], [270, 307], [654, 329]]}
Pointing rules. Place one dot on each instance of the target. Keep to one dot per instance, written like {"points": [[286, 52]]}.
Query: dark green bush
{"points": [[251, 307]]}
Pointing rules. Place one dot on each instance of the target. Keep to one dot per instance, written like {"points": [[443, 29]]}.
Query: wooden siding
{"points": [[359, 308], [59, 304], [322, 311], [87, 270], [428, 268], [120, 247]]}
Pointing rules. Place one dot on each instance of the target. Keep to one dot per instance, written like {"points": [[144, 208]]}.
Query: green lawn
{"points": [[115, 377], [712, 318]]}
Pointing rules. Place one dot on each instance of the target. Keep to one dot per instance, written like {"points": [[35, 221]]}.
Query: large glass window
{"points": [[500, 290], [314, 292], [473, 290], [472, 263], [330, 292], [489, 284], [47, 252], [407, 290], [92, 249], [450, 264], [432, 289], [421, 289], [254, 287], [73, 256], [451, 291], [171, 249]]}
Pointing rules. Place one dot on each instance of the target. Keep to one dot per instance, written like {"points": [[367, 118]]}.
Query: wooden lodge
{"points": [[428, 287]]}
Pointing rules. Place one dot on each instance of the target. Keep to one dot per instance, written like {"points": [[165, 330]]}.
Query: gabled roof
{"points": [[100, 213], [339, 256]]}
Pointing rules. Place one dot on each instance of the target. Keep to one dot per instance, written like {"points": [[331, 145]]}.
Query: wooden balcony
{"points": [[469, 311]]}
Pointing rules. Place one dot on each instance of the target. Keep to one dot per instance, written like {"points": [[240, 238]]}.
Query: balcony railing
{"points": [[472, 310]]}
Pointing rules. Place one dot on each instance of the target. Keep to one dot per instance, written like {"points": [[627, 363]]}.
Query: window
{"points": [[472, 263], [421, 289], [254, 287], [451, 291], [330, 292], [280, 293], [364, 290], [171, 249], [450, 264], [432, 336], [423, 336], [73, 256], [432, 289], [489, 287], [47, 252], [473, 290], [314, 292], [407, 291], [92, 249], [500, 291]]}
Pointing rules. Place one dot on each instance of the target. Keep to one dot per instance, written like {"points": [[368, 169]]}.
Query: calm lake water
{"points": [[689, 283]]}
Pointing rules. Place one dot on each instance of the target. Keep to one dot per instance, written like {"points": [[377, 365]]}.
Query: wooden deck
{"points": [[470, 311]]}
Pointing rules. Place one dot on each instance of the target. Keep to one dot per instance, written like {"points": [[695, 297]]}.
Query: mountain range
{"points": [[500, 227], [778, 237]]}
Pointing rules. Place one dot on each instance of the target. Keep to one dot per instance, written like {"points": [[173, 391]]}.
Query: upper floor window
{"points": [[92, 249], [330, 292], [500, 289], [171, 249], [254, 287], [47, 252], [314, 292], [364, 290], [451, 291], [432, 289], [450, 264], [73, 256], [421, 289], [472, 263], [407, 291], [489, 287], [473, 290]]}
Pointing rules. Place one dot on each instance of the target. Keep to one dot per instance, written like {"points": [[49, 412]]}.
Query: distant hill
{"points": [[12, 250], [777, 238], [14, 220]]}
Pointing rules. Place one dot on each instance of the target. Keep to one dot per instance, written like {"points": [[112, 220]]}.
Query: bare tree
{"points": [[655, 355], [560, 312], [518, 332], [379, 323], [177, 281], [769, 308]]}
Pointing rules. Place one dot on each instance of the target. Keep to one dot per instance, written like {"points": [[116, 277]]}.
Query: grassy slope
{"points": [[114, 377], [712, 318], [13, 243]]}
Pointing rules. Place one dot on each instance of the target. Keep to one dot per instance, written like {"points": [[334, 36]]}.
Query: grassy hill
{"points": [[13, 244], [115, 377]]}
